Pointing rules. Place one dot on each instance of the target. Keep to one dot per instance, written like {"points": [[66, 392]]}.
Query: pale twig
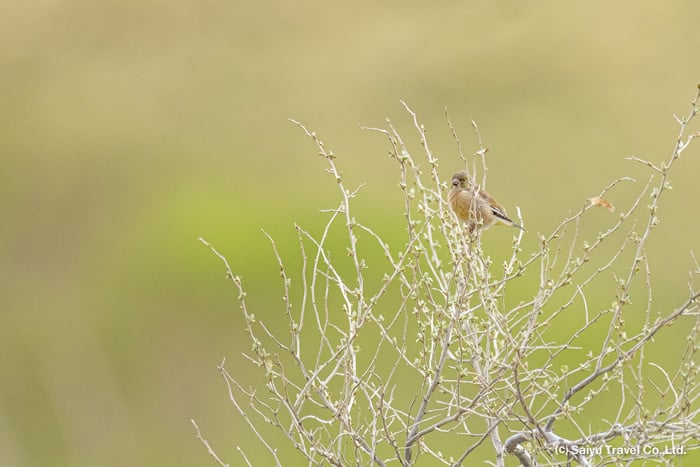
{"points": [[206, 445], [427, 344]]}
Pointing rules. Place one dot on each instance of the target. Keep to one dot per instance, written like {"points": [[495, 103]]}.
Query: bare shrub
{"points": [[448, 354]]}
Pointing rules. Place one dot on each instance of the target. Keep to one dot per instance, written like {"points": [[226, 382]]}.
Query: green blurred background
{"points": [[131, 128]]}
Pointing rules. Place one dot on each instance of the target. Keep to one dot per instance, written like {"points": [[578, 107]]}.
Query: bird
{"points": [[484, 213]]}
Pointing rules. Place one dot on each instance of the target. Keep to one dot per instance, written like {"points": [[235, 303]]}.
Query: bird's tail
{"points": [[502, 218], [505, 221]]}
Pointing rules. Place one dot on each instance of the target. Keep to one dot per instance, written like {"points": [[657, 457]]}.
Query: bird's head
{"points": [[460, 180]]}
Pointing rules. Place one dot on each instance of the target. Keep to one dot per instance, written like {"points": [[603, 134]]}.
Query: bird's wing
{"points": [[498, 210]]}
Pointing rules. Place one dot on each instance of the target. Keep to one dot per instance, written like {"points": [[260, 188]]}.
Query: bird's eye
{"points": [[455, 182]]}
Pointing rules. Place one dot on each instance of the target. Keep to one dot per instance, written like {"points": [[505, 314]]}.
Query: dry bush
{"points": [[458, 361]]}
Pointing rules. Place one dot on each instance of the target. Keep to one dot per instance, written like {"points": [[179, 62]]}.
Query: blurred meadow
{"points": [[131, 128]]}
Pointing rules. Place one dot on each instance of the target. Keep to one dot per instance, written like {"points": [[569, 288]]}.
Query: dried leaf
{"points": [[601, 202]]}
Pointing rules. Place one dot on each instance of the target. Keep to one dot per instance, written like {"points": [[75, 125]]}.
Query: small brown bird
{"points": [[484, 213]]}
